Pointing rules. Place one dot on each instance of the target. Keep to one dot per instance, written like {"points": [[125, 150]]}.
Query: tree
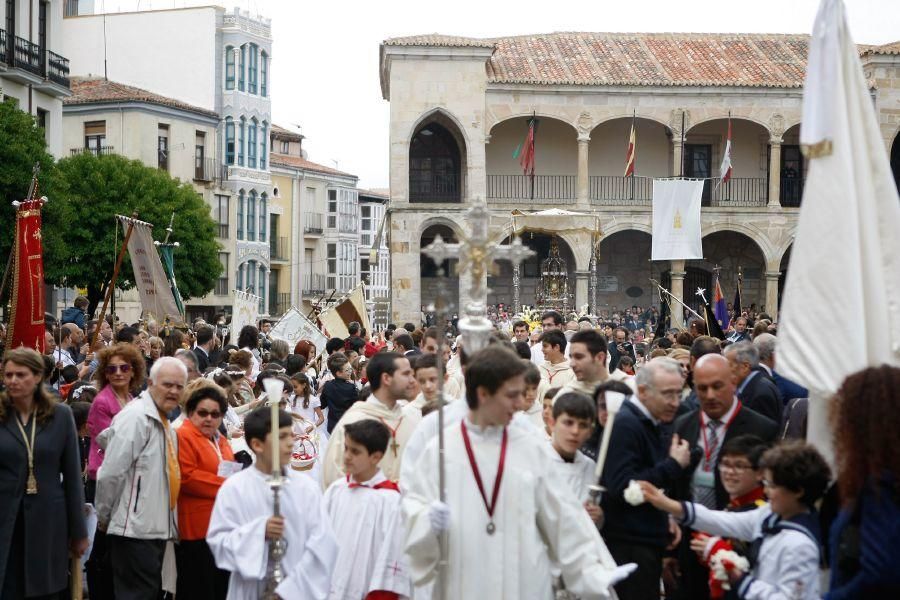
{"points": [[21, 146], [94, 189]]}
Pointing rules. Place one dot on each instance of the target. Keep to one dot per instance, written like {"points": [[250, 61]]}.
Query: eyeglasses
{"points": [[112, 369], [203, 413], [737, 468]]}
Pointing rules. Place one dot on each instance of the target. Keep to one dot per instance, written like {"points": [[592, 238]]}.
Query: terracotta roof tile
{"points": [[682, 59], [296, 162], [91, 90]]}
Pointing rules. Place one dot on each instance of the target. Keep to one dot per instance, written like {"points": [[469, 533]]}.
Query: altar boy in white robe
{"points": [[509, 514], [365, 512], [242, 524]]}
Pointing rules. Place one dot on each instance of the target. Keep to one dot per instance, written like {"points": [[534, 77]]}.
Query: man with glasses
{"points": [[550, 320], [720, 418]]}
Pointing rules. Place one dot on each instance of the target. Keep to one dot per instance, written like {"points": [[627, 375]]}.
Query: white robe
{"points": [[579, 473], [368, 524], [538, 522], [237, 530]]}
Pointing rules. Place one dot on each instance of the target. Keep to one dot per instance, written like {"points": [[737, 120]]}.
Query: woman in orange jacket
{"points": [[205, 459]]}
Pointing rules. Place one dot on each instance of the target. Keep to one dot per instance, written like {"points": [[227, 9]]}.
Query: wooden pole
{"points": [[112, 284]]}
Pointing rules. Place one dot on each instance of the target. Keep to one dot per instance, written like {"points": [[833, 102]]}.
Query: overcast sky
{"points": [[325, 55]]}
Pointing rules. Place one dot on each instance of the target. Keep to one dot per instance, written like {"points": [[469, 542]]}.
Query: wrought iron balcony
{"points": [[278, 248], [739, 191], [101, 151], [27, 56], [281, 303], [616, 190], [3, 43], [315, 284], [58, 69], [546, 189], [314, 223]]}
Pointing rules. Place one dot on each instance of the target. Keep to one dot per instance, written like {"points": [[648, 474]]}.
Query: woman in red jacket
{"points": [[205, 458]]}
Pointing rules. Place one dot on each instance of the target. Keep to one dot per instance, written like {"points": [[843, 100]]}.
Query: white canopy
{"points": [[555, 221]]}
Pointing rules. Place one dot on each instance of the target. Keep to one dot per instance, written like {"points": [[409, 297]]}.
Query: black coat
{"points": [[202, 360], [762, 395], [55, 514], [746, 422]]}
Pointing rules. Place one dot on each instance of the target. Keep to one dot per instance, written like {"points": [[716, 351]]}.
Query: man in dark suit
{"points": [[404, 344], [754, 389], [205, 339], [721, 417]]}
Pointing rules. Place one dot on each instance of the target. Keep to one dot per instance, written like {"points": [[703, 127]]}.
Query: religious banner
{"points": [[26, 321], [150, 279], [244, 311], [352, 307], [676, 219], [294, 326]]}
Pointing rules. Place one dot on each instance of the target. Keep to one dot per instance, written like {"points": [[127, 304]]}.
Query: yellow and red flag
{"points": [[629, 154]]}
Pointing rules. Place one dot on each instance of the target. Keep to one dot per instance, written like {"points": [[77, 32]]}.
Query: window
{"points": [[229, 67], [263, 72], [697, 163], [251, 144], [229, 141], [240, 216], [261, 289], [262, 145], [162, 147], [222, 283], [42, 26], [242, 68], [252, 69], [251, 216], [223, 214], [331, 267], [332, 209], [95, 135], [200, 156], [42, 119], [241, 141], [435, 166], [364, 270], [285, 147], [240, 278], [251, 276], [263, 218], [365, 213]]}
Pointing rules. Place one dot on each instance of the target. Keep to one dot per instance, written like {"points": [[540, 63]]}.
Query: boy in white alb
{"points": [[570, 426], [425, 370], [364, 508], [242, 525]]}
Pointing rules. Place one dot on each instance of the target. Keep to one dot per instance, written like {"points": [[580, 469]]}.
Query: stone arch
{"points": [[624, 269], [724, 116], [606, 156], [731, 248], [895, 158], [645, 117], [431, 281], [439, 113], [623, 226], [435, 180], [758, 236], [524, 114]]}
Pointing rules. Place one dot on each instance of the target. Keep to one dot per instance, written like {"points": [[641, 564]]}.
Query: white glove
{"points": [[439, 516], [622, 572]]}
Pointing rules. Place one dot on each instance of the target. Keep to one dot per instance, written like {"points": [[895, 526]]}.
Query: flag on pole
{"points": [[154, 289], [665, 319], [26, 320], [336, 319], [849, 195], [737, 295], [720, 310], [725, 168], [712, 324], [629, 152], [525, 152]]}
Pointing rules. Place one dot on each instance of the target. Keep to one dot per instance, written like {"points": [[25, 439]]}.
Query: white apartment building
{"points": [[376, 274], [225, 68], [34, 73]]}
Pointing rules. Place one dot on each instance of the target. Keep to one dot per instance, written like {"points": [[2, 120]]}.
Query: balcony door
{"points": [[10, 29], [697, 164], [791, 175]]}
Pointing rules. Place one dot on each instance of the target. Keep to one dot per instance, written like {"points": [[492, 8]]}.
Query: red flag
{"points": [[26, 321], [629, 154], [526, 158]]}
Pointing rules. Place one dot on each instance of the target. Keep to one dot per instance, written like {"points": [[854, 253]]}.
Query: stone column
{"points": [[677, 273], [583, 179], [676, 154], [406, 278], [772, 293], [774, 172], [581, 289]]}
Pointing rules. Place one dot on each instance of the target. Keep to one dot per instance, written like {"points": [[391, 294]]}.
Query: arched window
{"points": [[262, 145], [251, 216], [263, 217], [263, 73], [240, 278], [240, 217], [434, 165], [242, 68], [240, 148], [229, 67], [251, 143], [251, 276], [261, 289], [229, 141], [252, 72]]}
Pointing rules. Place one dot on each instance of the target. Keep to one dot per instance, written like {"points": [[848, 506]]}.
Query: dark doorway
{"points": [[697, 164], [791, 176], [434, 166], [694, 278]]}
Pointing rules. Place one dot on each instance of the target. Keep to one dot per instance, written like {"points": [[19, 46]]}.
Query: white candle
{"points": [[274, 387], [613, 404]]}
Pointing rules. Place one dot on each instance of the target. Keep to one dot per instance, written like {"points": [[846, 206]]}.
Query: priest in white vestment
{"points": [[391, 379], [509, 514]]}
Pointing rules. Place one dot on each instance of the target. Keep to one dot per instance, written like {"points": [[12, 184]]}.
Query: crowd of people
{"points": [[143, 454]]}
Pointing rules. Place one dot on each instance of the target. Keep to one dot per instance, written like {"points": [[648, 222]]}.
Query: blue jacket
{"points": [[875, 573], [639, 450], [789, 390], [72, 315]]}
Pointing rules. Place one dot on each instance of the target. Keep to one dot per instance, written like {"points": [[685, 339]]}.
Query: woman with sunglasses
{"points": [[119, 376], [205, 458]]}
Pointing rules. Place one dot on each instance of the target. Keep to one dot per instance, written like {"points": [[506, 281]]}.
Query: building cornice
{"points": [[139, 106], [389, 53]]}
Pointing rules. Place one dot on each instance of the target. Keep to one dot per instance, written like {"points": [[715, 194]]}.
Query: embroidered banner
{"points": [[676, 219], [150, 279], [27, 300]]}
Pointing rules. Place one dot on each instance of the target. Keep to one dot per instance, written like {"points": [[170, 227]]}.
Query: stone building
{"points": [[459, 107]]}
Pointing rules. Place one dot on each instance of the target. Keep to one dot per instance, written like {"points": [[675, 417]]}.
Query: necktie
{"points": [[713, 441], [704, 488]]}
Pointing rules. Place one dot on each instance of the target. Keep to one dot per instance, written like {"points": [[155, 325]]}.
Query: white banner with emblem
{"points": [[244, 311], [294, 326], [150, 278], [676, 219]]}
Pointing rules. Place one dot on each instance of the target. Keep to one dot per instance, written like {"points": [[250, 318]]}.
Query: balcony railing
{"points": [[57, 69], [27, 56], [314, 223], [739, 191], [438, 188], [101, 151], [315, 284], [222, 287], [3, 46], [278, 248], [791, 191], [547, 189], [281, 303], [616, 190]]}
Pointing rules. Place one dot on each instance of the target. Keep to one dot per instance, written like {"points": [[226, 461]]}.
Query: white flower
{"points": [[633, 493], [717, 565]]}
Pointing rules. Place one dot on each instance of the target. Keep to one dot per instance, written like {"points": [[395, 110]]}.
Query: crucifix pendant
{"points": [[31, 485], [491, 528], [394, 446]]}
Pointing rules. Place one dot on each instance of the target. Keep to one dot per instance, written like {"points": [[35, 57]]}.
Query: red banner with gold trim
{"points": [[26, 323]]}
